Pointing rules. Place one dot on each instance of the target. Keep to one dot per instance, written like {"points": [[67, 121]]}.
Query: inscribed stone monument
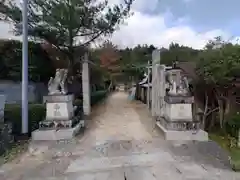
{"points": [[62, 120], [177, 121]]}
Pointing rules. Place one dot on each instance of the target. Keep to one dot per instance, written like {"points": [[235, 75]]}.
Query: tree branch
{"points": [[206, 103], [213, 110]]}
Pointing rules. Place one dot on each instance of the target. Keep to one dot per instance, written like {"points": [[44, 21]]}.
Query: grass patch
{"points": [[17, 149], [13, 114], [222, 140], [235, 159], [229, 144]]}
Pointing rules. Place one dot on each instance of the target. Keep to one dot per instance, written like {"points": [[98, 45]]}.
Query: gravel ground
{"points": [[121, 141]]}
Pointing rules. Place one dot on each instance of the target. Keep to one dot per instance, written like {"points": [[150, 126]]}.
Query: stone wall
{"points": [[13, 91]]}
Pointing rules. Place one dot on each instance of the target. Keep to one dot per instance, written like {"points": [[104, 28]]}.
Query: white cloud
{"points": [[152, 29]]}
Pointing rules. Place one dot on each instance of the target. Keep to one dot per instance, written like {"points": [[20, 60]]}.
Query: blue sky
{"points": [[205, 14], [189, 22]]}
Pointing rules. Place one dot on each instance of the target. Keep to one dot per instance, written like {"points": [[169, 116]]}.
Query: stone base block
{"points": [[61, 134], [59, 124], [58, 98], [199, 135], [178, 99], [181, 125]]}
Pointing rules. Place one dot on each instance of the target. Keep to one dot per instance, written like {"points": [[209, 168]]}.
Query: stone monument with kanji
{"points": [[62, 121]]}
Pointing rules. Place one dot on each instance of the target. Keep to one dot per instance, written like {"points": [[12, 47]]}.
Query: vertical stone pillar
{"points": [[86, 86], [162, 89], [155, 83], [153, 90], [148, 88]]}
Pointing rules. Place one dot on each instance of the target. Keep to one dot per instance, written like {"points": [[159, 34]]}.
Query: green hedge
{"points": [[95, 97], [77, 102], [37, 113], [13, 114], [233, 126], [98, 96]]}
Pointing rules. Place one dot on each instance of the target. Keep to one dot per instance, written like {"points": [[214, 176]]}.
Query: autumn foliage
{"points": [[109, 57]]}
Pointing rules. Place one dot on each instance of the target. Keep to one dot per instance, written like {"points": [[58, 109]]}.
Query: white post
{"points": [[162, 90], [155, 78], [148, 88], [86, 86], [25, 67]]}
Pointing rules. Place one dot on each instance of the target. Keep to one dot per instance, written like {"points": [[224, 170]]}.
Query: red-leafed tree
{"points": [[109, 57]]}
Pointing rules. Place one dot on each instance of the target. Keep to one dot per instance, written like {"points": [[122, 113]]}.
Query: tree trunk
{"points": [[221, 113], [205, 111], [212, 121], [227, 108]]}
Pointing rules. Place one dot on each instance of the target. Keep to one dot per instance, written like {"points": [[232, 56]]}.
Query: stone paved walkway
{"points": [[120, 143]]}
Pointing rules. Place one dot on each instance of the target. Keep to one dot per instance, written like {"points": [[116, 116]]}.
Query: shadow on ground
{"points": [[204, 153]]}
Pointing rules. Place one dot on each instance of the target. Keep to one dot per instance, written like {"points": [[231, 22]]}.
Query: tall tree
{"points": [[40, 65], [109, 56], [218, 66], [67, 23]]}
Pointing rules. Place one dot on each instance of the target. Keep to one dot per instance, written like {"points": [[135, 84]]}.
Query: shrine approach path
{"points": [[121, 142]]}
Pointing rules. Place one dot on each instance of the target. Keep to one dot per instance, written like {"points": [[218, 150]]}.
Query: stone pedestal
{"points": [[177, 122], [61, 122]]}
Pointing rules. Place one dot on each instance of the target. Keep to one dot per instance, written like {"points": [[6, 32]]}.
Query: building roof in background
{"points": [[188, 68]]}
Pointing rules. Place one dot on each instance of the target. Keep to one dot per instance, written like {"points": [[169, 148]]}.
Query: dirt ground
{"points": [[121, 142]]}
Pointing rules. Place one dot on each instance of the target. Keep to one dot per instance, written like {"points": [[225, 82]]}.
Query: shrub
{"points": [[98, 96], [36, 113], [233, 126], [77, 102], [95, 98]]}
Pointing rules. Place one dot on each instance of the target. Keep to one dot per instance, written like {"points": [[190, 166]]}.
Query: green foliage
{"points": [[77, 102], [226, 143], [233, 126], [36, 113], [219, 66], [98, 96], [179, 53], [61, 22], [14, 151], [40, 66], [133, 61], [235, 159]]}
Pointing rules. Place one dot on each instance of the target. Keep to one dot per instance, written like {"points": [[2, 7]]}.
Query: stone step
{"points": [[116, 174], [107, 163], [107, 148]]}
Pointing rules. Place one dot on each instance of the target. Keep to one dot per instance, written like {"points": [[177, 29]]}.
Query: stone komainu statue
{"points": [[58, 84]]}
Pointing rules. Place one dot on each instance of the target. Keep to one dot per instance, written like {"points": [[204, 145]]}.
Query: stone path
{"points": [[120, 143]]}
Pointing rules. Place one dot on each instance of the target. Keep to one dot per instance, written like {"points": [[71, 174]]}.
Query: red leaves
{"points": [[109, 58]]}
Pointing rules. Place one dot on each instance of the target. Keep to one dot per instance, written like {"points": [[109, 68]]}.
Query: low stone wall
{"points": [[6, 137]]}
